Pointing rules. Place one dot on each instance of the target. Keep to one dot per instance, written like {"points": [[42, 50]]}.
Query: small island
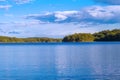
{"points": [[106, 35]]}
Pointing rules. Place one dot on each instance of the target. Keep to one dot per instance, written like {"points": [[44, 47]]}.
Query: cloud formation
{"points": [[94, 14], [5, 6], [22, 1], [59, 23], [113, 2], [17, 1]]}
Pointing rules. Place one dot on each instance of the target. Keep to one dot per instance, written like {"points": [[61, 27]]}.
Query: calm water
{"points": [[60, 61]]}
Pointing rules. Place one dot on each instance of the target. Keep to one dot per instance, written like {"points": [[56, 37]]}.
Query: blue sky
{"points": [[57, 18]]}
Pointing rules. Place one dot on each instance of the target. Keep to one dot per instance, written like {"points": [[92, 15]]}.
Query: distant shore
{"points": [[56, 43], [103, 36]]}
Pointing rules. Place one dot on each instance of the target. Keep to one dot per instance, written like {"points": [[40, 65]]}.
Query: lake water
{"points": [[60, 61]]}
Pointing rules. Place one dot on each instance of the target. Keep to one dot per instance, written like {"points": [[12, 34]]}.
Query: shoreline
{"points": [[57, 43]]}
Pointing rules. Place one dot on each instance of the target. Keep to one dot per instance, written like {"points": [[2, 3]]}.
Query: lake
{"points": [[60, 61]]}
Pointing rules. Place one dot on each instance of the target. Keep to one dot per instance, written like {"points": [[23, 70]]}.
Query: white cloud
{"points": [[94, 14], [62, 15], [61, 23], [113, 2], [16, 1], [5, 6], [22, 1], [55, 17], [18, 29]]}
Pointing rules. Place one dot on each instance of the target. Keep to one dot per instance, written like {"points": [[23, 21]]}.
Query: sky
{"points": [[57, 18]]}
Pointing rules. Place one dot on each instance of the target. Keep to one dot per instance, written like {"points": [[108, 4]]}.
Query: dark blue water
{"points": [[60, 61]]}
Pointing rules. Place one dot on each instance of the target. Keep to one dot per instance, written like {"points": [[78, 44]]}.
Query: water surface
{"points": [[60, 61]]}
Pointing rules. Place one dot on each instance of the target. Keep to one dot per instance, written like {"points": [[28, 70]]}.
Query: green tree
{"points": [[107, 35], [79, 37]]}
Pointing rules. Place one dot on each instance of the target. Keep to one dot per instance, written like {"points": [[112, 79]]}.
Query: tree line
{"points": [[14, 39], [106, 35]]}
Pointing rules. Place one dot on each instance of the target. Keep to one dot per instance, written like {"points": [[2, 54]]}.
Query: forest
{"points": [[34, 39], [106, 35]]}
